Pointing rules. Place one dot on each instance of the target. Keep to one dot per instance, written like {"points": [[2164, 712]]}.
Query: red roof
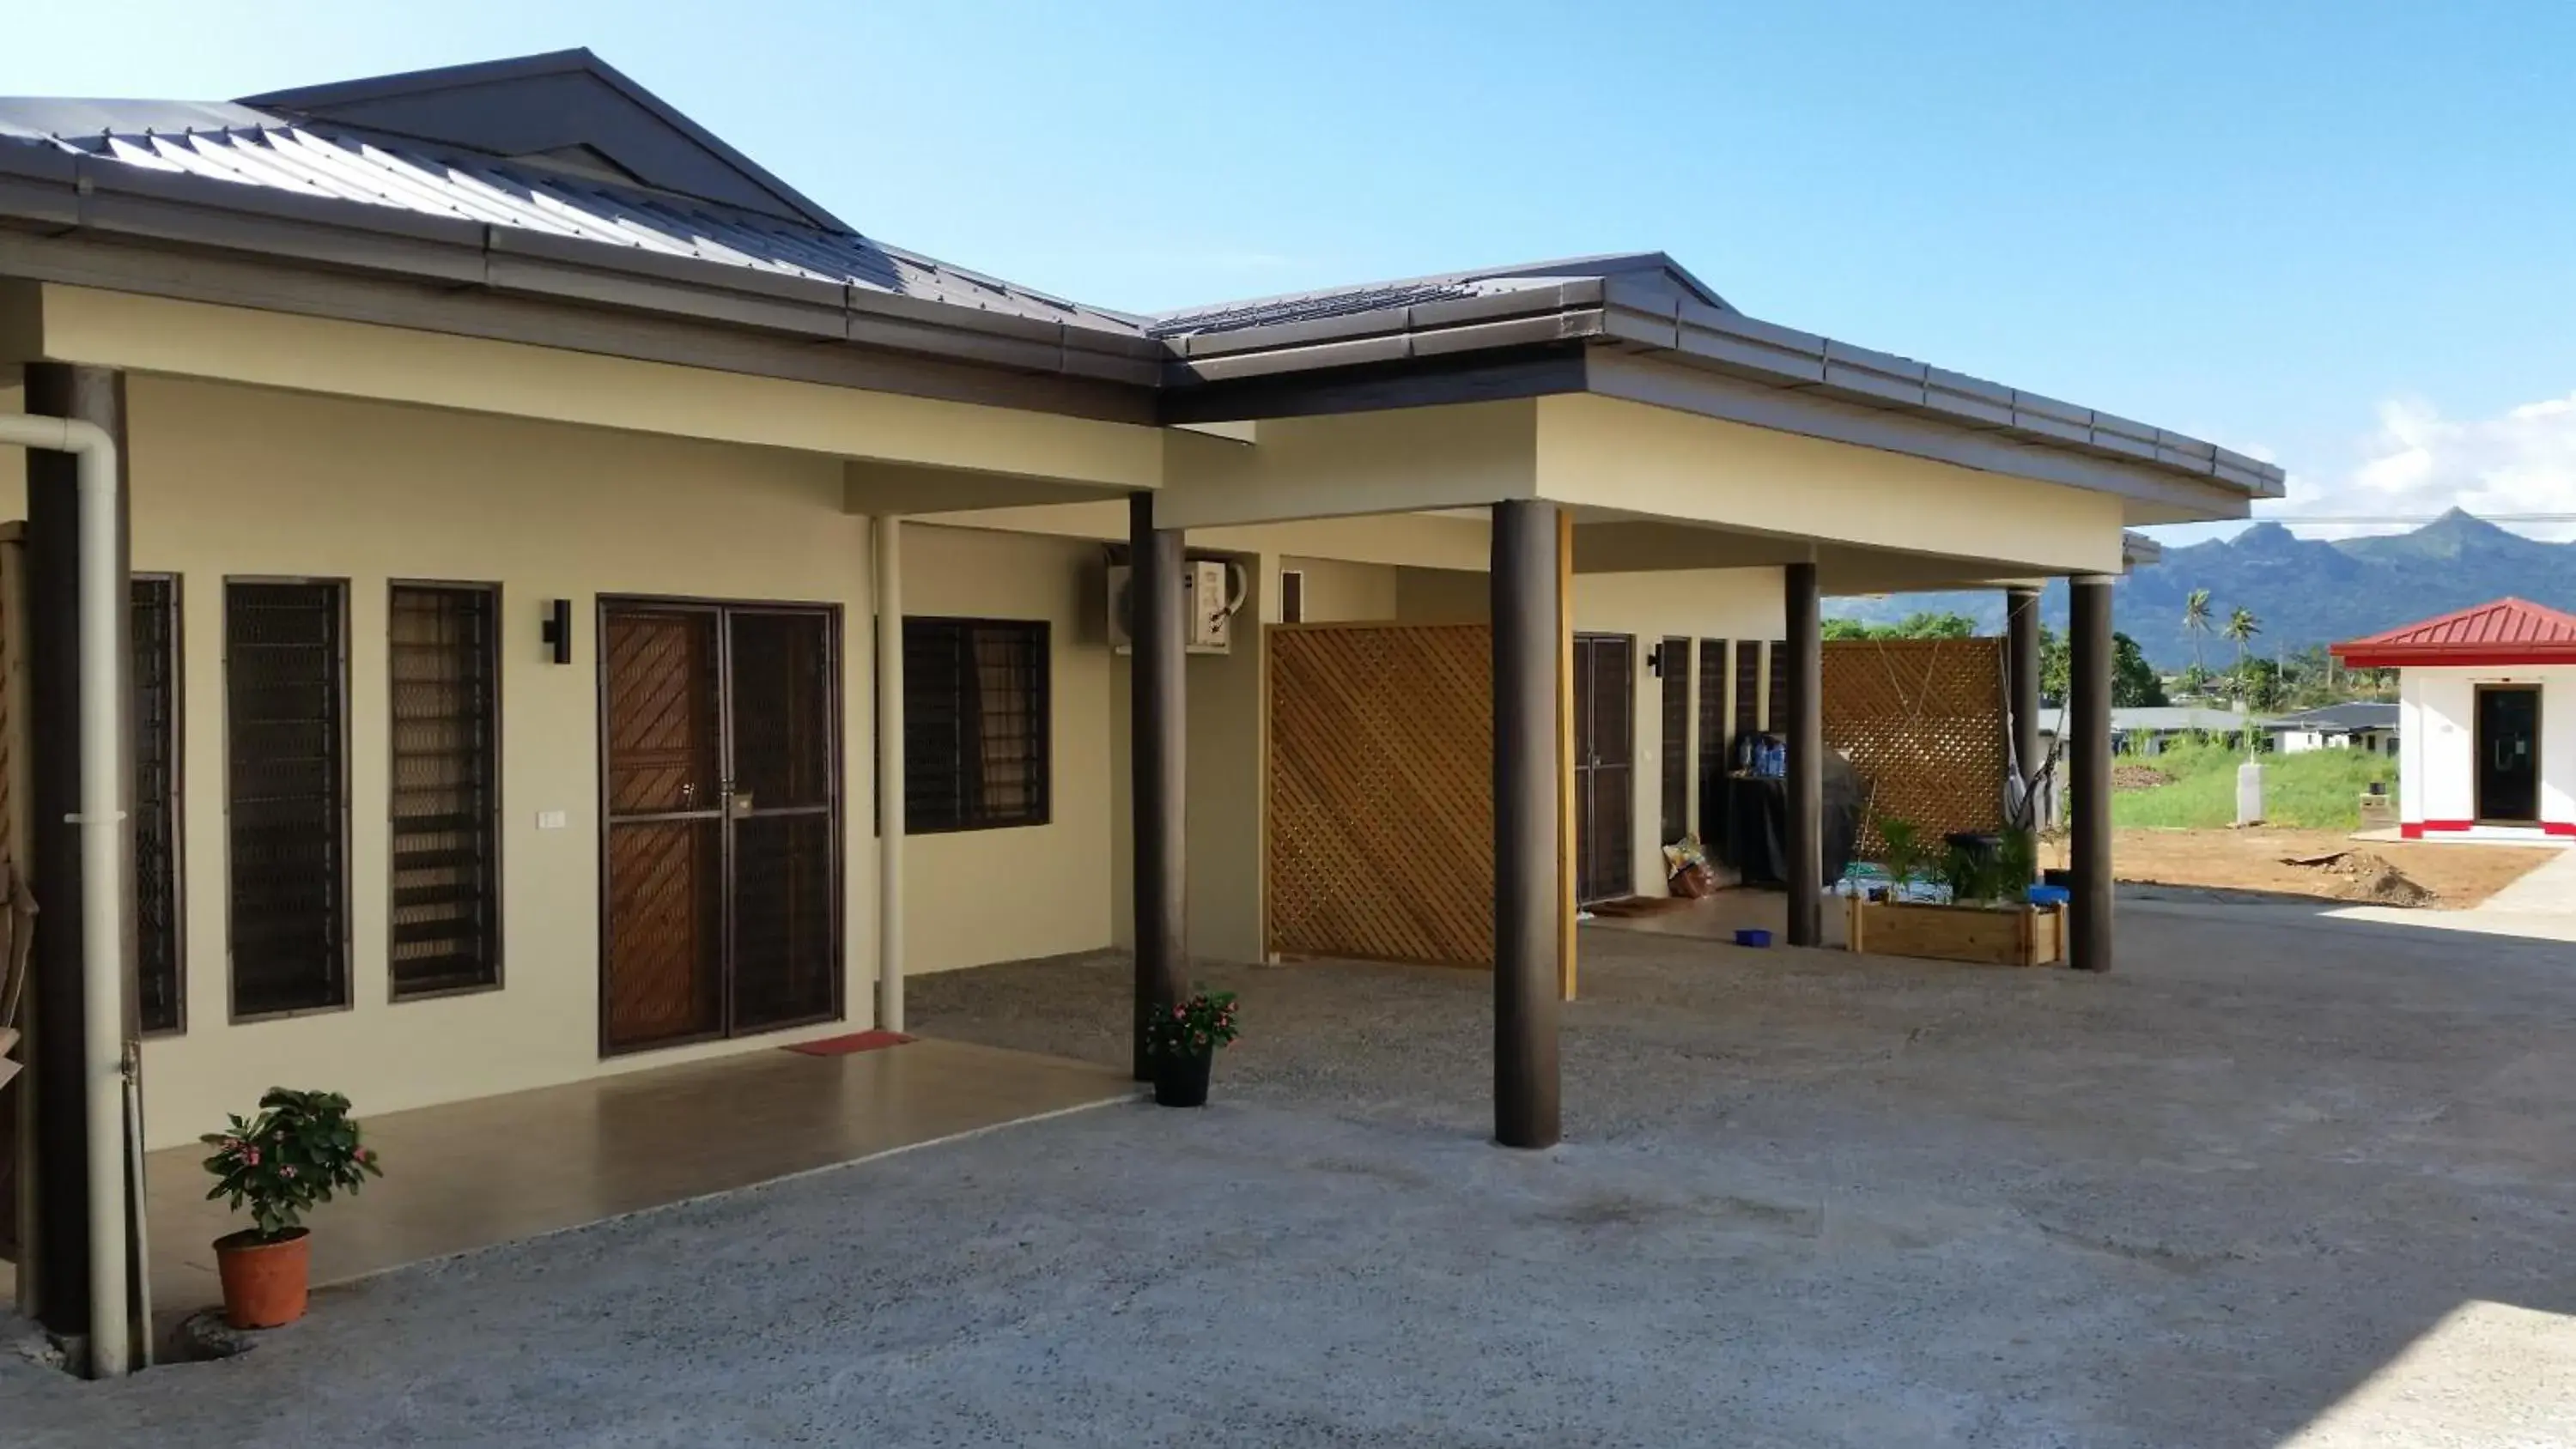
{"points": [[2508, 631]]}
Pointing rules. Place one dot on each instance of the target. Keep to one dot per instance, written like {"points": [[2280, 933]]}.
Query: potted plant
{"points": [[293, 1155], [1183, 1042]]}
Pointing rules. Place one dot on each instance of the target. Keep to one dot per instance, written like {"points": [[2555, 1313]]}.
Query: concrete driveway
{"points": [[2284, 1180]]}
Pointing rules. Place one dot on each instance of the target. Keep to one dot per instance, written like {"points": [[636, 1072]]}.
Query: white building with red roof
{"points": [[2486, 720]]}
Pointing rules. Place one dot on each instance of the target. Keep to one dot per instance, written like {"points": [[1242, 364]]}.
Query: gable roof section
{"points": [[2508, 631], [554, 148], [1650, 270], [561, 102]]}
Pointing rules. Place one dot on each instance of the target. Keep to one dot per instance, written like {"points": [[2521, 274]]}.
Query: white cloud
{"points": [[2418, 463]]}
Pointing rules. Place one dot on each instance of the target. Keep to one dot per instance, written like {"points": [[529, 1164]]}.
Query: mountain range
{"points": [[2304, 591]]}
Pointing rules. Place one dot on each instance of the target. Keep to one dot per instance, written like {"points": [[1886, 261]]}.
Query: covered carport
{"points": [[1623, 421]]}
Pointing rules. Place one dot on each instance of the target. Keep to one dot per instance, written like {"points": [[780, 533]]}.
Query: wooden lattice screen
{"points": [[1381, 822], [1923, 722]]}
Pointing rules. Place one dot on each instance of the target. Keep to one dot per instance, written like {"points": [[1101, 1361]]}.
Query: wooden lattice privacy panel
{"points": [[1381, 822], [1923, 722]]}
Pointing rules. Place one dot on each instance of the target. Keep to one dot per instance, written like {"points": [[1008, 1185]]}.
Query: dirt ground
{"points": [[2254, 863]]}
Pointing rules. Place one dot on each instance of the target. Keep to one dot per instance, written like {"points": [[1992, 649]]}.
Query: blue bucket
{"points": [[2048, 895], [1752, 936]]}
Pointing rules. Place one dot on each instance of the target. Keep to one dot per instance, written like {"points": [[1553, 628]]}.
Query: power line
{"points": [[2387, 518]]}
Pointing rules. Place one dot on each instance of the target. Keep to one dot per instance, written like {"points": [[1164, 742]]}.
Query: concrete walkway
{"points": [[498, 1169], [2274, 1183]]}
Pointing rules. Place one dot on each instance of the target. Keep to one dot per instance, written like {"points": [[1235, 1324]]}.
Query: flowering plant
{"points": [[1196, 1025], [299, 1150]]}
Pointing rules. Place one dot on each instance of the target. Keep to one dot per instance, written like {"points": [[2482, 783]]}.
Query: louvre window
{"points": [[444, 655], [1676, 666], [160, 981], [1775, 713], [975, 724], [286, 741], [1712, 724], [1748, 687]]}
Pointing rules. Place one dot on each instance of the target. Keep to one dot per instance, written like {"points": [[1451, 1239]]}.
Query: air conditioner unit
{"points": [[1212, 590]]}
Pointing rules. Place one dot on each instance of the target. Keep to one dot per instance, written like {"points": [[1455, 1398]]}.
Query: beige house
{"points": [[528, 496]]}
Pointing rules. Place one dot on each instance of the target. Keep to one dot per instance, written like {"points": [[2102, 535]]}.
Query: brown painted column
{"points": [[1805, 729], [1525, 615], [1157, 725], [2088, 726], [93, 395], [2021, 679]]}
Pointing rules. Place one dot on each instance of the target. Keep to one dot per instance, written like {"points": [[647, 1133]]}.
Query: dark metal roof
{"points": [[541, 103], [554, 178], [602, 162]]}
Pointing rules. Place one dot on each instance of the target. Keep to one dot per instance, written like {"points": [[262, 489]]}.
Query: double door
{"points": [[719, 728]]}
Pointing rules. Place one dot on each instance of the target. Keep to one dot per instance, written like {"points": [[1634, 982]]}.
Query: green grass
{"points": [[2315, 790]]}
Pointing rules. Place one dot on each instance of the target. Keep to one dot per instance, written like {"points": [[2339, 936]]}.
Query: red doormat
{"points": [[857, 1041]]}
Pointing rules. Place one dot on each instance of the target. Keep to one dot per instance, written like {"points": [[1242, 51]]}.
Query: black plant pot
{"points": [[1181, 1080]]}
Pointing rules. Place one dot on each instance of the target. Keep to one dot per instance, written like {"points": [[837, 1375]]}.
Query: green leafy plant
{"points": [[298, 1150], [1968, 873], [2016, 862], [1196, 1025], [1905, 854]]}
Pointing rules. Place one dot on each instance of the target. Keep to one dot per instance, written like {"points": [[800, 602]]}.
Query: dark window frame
{"points": [[496, 810], [174, 793], [346, 984], [1039, 635]]}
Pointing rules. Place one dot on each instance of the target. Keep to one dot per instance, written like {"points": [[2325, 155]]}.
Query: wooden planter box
{"points": [[2008, 935]]}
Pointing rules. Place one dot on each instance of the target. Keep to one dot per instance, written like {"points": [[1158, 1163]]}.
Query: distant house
{"points": [[2486, 710], [2367, 726], [2152, 729]]}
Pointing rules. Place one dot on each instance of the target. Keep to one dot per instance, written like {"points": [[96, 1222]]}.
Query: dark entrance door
{"points": [[722, 816], [1605, 700], [2508, 743]]}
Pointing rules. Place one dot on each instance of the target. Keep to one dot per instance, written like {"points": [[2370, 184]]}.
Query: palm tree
{"points": [[2195, 622], [2242, 626]]}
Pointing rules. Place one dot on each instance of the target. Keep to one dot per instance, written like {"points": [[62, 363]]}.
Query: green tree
{"points": [[2134, 682], [1921, 624], [2195, 622], [2242, 626]]}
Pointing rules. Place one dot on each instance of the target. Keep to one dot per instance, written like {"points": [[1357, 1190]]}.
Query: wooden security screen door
{"points": [[1605, 701], [2508, 744], [722, 820]]}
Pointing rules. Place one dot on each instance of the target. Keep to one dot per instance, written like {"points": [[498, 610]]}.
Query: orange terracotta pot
{"points": [[264, 1283]]}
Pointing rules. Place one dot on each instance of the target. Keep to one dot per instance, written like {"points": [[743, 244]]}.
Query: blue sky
{"points": [[2340, 235]]}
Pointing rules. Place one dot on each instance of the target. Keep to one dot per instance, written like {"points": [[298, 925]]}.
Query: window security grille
{"points": [[285, 657], [160, 982], [444, 656], [975, 724]]}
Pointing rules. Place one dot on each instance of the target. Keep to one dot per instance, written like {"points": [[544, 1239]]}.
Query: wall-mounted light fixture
{"points": [[558, 629]]}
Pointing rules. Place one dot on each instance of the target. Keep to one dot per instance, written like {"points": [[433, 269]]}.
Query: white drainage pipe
{"points": [[102, 915]]}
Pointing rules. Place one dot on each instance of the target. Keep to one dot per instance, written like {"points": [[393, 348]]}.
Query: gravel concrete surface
{"points": [[2279, 1181]]}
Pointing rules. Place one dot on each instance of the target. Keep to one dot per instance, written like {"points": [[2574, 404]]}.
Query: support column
{"points": [[1526, 604], [57, 1064], [2021, 681], [890, 796], [1159, 623], [1806, 734], [2088, 664]]}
